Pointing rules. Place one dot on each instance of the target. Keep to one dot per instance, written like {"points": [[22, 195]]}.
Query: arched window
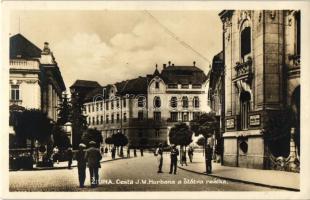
{"points": [[245, 36], [157, 102], [185, 102], [245, 99], [173, 102], [196, 102]]}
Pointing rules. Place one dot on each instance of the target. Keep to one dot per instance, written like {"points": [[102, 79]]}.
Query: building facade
{"points": [[262, 74], [145, 108], [35, 78]]}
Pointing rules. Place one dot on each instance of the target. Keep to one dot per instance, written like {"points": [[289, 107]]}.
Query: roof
{"points": [[21, 47], [133, 86], [183, 75], [85, 83]]}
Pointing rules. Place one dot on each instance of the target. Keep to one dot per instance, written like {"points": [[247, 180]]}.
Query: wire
{"points": [[176, 37]]}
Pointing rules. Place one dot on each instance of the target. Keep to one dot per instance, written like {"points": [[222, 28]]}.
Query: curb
{"points": [[242, 181], [64, 167]]}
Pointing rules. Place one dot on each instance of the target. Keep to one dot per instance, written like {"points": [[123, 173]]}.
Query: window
{"points": [[140, 102], [107, 119], [157, 132], [112, 104], [94, 121], [107, 105], [140, 115], [245, 98], [117, 103], [125, 117], [157, 116], [97, 120], [124, 103], [101, 105], [185, 102], [196, 102], [185, 86], [92, 108], [89, 108], [97, 106], [15, 92], [185, 116], [172, 86], [117, 118], [174, 116], [112, 118], [157, 85], [245, 40], [157, 102], [297, 32], [174, 102]]}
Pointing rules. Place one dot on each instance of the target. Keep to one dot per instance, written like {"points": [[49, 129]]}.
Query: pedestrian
{"points": [[101, 150], [159, 154], [113, 151], [93, 158], [183, 157], [106, 150], [70, 157], [135, 152], [141, 151], [190, 153], [208, 159], [173, 159], [81, 164], [56, 154], [128, 152]]}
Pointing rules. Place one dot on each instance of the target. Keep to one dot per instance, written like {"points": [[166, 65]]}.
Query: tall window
{"points": [[117, 103], [112, 118], [185, 116], [107, 105], [185, 102], [173, 102], [157, 85], [93, 108], [101, 119], [174, 116], [140, 115], [94, 121], [89, 108], [297, 32], [157, 102], [112, 104], [157, 116], [117, 118], [97, 106], [107, 119], [125, 117], [196, 102], [140, 102], [245, 99], [124, 103], [101, 105], [97, 120], [15, 92], [245, 40]]}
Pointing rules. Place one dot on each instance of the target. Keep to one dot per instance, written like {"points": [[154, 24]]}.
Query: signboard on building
{"points": [[254, 120], [230, 123]]}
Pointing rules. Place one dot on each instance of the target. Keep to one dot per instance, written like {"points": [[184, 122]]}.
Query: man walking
{"points": [[174, 159], [190, 153], [93, 158], [159, 154], [81, 163], [70, 157], [208, 159]]}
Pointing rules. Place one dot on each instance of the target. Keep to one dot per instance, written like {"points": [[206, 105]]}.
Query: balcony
{"points": [[244, 70], [295, 59]]}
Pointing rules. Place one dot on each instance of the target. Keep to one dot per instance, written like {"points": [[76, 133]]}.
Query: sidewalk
{"points": [[64, 165], [269, 178]]}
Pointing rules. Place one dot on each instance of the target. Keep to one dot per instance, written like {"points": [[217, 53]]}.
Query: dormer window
{"points": [[157, 85]]}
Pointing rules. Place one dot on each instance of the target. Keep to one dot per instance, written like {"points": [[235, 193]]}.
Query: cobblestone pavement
{"points": [[136, 174]]}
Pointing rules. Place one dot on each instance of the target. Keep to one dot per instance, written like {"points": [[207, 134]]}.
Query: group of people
{"points": [[174, 153]]}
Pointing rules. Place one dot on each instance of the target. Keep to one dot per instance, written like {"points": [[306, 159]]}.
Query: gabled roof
{"points": [[85, 83], [133, 86], [21, 47], [183, 75]]}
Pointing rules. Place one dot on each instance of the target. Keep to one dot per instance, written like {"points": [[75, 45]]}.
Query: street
{"points": [[134, 174]]}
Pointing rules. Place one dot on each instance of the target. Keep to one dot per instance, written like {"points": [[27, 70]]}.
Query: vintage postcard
{"points": [[155, 99]]}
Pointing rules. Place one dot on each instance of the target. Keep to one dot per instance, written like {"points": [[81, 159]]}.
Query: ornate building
{"points": [[35, 78], [145, 108], [262, 74]]}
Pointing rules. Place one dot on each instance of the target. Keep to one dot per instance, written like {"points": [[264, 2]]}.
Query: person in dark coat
{"points": [[135, 152], [70, 157], [128, 152], [174, 159], [81, 164], [190, 153], [159, 153], [209, 159], [93, 158], [141, 151], [113, 151]]}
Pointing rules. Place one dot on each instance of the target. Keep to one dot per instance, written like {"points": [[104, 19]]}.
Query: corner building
{"points": [[262, 74]]}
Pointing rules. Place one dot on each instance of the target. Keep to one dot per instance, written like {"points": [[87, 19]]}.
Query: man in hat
{"points": [[81, 163], [159, 154], [174, 159], [93, 158]]}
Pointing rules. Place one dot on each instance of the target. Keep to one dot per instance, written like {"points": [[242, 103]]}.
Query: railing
{"points": [[295, 58], [244, 70], [24, 64], [16, 102]]}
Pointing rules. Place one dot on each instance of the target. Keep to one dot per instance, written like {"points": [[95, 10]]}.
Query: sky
{"points": [[110, 46]]}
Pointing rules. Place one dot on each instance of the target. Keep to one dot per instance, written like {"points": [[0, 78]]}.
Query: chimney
{"points": [[164, 66], [194, 63], [169, 63], [45, 45]]}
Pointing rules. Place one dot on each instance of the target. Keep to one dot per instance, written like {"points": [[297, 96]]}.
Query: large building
{"points": [[262, 74], [145, 108], [35, 78]]}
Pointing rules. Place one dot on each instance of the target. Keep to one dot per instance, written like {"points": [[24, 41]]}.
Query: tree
{"points": [[92, 135], [78, 120], [276, 131], [33, 124], [201, 141], [64, 111], [120, 140], [60, 138], [180, 134], [206, 124]]}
